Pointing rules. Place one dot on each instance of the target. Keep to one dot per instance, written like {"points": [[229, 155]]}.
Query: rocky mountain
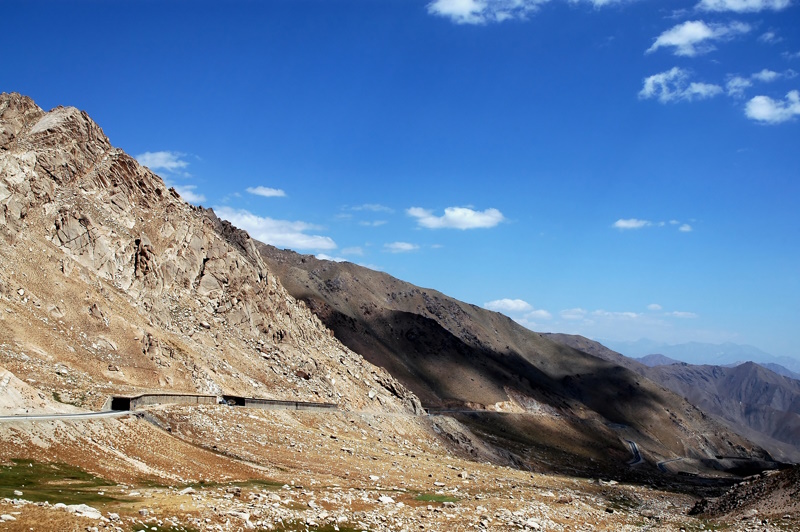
{"points": [[457, 356], [657, 360], [750, 398], [112, 284]]}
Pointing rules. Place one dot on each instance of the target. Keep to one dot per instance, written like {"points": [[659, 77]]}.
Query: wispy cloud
{"points": [[323, 256], [626, 224], [172, 165], [631, 223], [373, 207], [266, 192], [188, 193], [280, 233], [768, 111], [400, 247], [654, 306], [456, 218], [169, 161], [483, 11], [520, 311], [673, 85], [695, 37], [573, 314], [682, 315], [372, 223], [743, 6], [737, 85], [766, 75], [770, 37]]}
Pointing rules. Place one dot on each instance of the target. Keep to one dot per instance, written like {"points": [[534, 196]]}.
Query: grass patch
{"points": [[41, 482], [435, 497], [268, 485]]}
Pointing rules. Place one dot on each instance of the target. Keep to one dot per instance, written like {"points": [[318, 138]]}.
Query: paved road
{"points": [[663, 467], [82, 415], [637, 456]]}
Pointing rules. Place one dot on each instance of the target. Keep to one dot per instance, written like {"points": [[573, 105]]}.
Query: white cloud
{"points": [[685, 228], [743, 6], [374, 207], [400, 247], [456, 218], [770, 37], [654, 306], [538, 314], [279, 233], [267, 192], [170, 161], [768, 111], [372, 223], [683, 315], [616, 315], [631, 223], [573, 314], [766, 75], [323, 256], [483, 11], [187, 193], [694, 37], [673, 85], [508, 305], [736, 86]]}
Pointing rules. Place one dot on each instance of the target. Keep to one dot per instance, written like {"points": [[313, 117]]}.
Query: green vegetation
{"points": [[433, 497], [53, 482], [270, 485]]}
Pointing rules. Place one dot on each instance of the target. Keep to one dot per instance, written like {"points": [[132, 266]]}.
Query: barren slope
{"points": [[458, 356], [751, 399]]}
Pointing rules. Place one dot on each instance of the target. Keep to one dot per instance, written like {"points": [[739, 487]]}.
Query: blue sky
{"points": [[618, 169]]}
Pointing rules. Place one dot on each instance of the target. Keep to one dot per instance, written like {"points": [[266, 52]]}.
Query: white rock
{"points": [[187, 491], [385, 499], [6, 517], [83, 510], [17, 493]]}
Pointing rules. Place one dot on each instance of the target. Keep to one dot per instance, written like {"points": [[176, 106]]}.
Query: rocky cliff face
{"points": [[112, 283]]}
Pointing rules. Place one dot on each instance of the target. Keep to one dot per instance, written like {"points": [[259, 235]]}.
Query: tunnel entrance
{"points": [[120, 403]]}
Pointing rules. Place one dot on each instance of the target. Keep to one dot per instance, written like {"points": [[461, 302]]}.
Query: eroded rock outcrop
{"points": [[191, 290]]}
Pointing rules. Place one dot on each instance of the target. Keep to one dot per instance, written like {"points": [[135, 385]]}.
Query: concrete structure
{"points": [[274, 404], [132, 403]]}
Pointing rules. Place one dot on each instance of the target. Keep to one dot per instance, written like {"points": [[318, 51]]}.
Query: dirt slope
{"points": [[458, 356]]}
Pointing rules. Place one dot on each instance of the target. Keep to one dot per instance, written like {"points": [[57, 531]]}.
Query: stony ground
{"points": [[224, 468]]}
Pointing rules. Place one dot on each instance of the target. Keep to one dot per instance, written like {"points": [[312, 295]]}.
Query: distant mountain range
{"points": [[702, 353], [754, 400]]}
